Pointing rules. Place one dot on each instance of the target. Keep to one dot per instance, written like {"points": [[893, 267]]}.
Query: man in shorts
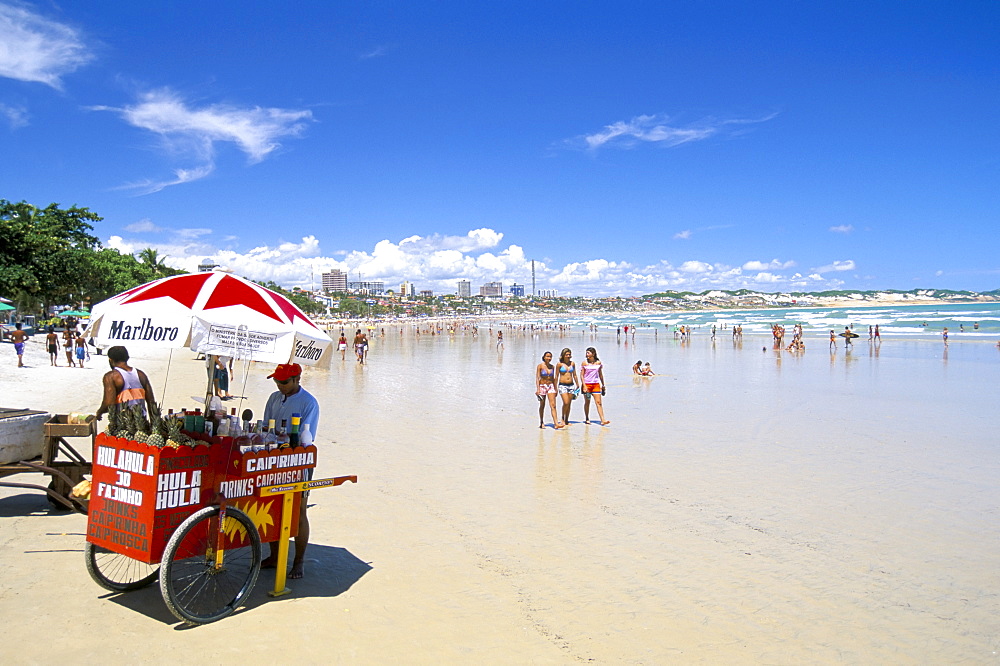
{"points": [[291, 398], [17, 336]]}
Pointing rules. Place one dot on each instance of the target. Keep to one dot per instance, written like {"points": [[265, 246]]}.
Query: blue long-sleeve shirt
{"points": [[302, 402]]}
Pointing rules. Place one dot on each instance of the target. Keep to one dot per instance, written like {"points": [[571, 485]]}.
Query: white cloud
{"points": [[842, 229], [432, 263], [16, 116], [683, 235], [657, 129], [193, 133], [144, 225], [765, 266], [35, 49], [695, 267], [836, 266]]}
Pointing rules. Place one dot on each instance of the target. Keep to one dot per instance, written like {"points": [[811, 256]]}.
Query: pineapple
{"points": [[141, 433], [126, 425], [174, 435], [157, 427], [113, 420]]}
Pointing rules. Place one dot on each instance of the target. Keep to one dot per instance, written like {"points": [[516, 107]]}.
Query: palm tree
{"points": [[150, 259]]}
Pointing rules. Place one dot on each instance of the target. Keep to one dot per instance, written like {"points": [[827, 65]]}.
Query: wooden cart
{"points": [[192, 517], [58, 459]]}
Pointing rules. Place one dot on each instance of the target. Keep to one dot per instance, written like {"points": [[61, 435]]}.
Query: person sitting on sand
{"points": [[637, 368], [647, 371]]}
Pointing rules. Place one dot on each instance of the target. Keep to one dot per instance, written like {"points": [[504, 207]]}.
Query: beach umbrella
{"points": [[74, 313], [211, 313], [4, 306]]}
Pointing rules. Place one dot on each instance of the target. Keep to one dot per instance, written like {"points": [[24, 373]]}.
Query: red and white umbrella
{"points": [[211, 313]]}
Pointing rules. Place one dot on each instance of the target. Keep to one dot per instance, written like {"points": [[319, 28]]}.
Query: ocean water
{"points": [[902, 320], [744, 505]]}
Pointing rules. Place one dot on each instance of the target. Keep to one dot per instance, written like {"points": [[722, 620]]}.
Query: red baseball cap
{"points": [[286, 371]]}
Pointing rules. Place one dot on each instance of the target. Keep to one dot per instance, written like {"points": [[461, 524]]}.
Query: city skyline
{"points": [[622, 150]]}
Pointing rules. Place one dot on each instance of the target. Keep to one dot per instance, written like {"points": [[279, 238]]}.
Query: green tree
{"points": [[110, 272], [152, 260], [43, 253]]}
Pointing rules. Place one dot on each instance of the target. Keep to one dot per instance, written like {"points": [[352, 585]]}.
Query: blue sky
{"points": [[627, 148]]}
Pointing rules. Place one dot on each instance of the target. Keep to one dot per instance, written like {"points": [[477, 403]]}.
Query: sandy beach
{"points": [[744, 506]]}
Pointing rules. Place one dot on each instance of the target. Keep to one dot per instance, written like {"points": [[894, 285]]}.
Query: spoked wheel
{"points": [[118, 573], [199, 585]]}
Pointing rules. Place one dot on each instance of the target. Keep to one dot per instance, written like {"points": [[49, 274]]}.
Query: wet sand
{"points": [[743, 506]]}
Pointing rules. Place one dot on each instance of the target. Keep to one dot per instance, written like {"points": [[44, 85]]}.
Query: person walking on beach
{"points": [[17, 336], [80, 348], [499, 340], [545, 381], [567, 385], [52, 345], [359, 346], [124, 385], [878, 335], [291, 398], [592, 378], [833, 339], [342, 345], [944, 336], [69, 335]]}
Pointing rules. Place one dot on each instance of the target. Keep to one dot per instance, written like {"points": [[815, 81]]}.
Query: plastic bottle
{"points": [[306, 438], [293, 434]]}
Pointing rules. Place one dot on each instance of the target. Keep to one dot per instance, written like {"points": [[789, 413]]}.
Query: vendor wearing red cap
{"points": [[291, 398]]}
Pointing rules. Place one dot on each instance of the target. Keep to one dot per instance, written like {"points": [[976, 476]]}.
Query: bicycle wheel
{"points": [[194, 588], [115, 572]]}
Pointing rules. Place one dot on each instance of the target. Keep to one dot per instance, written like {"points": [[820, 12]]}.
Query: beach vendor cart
{"points": [[192, 517], [181, 507]]}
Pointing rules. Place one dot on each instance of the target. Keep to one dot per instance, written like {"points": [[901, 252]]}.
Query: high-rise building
{"points": [[407, 290], [491, 289], [367, 288], [548, 293], [335, 280], [464, 289], [517, 290]]}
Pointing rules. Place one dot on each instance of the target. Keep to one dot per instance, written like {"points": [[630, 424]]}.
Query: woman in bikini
{"points": [[567, 385], [342, 345], [545, 381], [592, 378]]}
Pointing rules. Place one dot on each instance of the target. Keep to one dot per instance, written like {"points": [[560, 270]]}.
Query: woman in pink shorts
{"points": [[592, 378]]}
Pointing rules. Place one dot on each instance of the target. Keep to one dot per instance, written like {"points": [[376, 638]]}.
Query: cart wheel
{"points": [[195, 589], [115, 572]]}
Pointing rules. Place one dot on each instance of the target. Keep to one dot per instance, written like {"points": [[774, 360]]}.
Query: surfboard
{"points": [[849, 335]]}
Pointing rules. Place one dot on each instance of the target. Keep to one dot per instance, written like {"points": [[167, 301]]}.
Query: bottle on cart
{"points": [[270, 438], [306, 438], [257, 436], [199, 421], [293, 434], [281, 436], [188, 420]]}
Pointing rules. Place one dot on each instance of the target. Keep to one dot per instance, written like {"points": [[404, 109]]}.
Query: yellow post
{"points": [[289, 490], [286, 529]]}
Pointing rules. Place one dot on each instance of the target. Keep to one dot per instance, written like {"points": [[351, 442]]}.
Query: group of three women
{"points": [[564, 381]]}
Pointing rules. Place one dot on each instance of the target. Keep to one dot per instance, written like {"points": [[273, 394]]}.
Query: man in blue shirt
{"points": [[291, 398]]}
